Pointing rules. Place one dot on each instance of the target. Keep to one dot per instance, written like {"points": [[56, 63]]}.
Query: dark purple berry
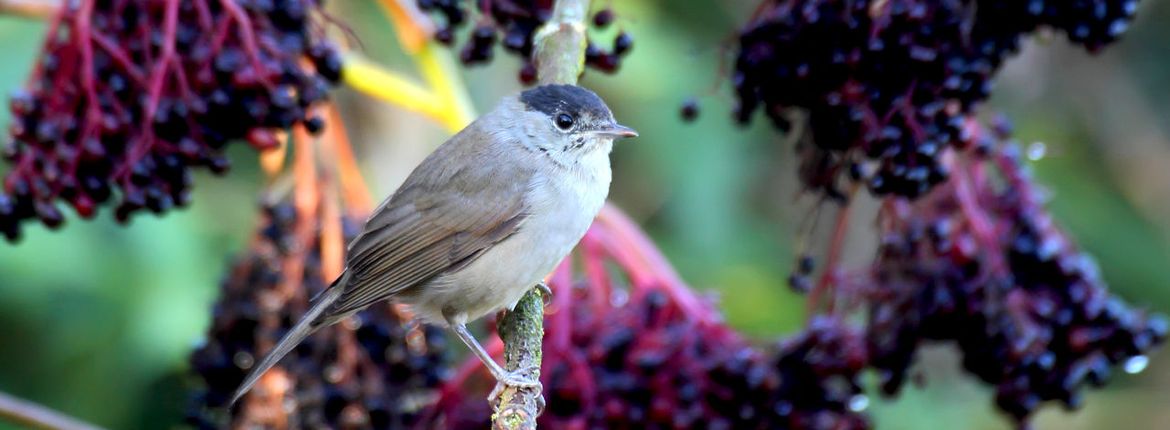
{"points": [[623, 43], [603, 18], [689, 110]]}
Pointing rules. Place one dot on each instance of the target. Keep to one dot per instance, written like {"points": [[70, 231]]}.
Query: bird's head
{"points": [[567, 121]]}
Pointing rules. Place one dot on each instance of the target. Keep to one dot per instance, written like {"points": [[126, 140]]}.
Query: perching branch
{"points": [[560, 44], [523, 333], [32, 415], [560, 58]]}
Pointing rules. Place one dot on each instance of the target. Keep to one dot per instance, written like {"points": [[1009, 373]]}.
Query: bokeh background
{"points": [[97, 320]]}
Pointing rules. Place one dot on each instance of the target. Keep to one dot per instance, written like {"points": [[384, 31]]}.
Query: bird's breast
{"points": [[561, 206]]}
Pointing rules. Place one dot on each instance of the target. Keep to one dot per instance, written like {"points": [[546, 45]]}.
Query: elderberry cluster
{"points": [[515, 22], [820, 369], [128, 96], [884, 84], [648, 364], [377, 375], [653, 366], [992, 273]]}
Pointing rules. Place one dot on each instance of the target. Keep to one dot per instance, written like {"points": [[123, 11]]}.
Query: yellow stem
{"points": [[387, 85], [453, 106], [443, 76]]}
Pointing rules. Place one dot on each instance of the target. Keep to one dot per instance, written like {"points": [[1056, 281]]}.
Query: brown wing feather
{"points": [[443, 217]]}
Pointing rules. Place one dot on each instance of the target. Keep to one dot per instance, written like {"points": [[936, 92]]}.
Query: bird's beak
{"points": [[617, 130]]}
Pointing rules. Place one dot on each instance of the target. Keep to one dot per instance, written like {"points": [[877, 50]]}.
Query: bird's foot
{"points": [[546, 293], [519, 378]]}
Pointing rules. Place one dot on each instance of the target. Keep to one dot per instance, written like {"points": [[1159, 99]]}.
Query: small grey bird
{"points": [[481, 221]]}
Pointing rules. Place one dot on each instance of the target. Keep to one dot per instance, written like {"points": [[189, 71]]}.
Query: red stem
{"points": [[653, 262], [120, 57], [205, 20], [157, 81], [561, 312], [597, 279], [831, 274], [85, 12], [248, 37], [981, 226], [48, 44]]}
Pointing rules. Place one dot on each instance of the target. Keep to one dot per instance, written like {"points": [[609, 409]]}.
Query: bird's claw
{"points": [[546, 293], [520, 379]]}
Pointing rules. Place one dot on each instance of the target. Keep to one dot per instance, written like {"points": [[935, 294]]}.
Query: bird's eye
{"points": [[564, 121]]}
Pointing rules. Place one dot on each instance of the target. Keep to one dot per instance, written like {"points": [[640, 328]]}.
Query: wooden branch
{"points": [[560, 59], [560, 44], [33, 9], [523, 333], [25, 413]]}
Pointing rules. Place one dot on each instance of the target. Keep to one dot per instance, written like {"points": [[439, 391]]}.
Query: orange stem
{"points": [[353, 187], [272, 160], [306, 196], [332, 240], [413, 27], [306, 199]]}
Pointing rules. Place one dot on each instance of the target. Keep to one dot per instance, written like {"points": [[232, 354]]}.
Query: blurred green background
{"points": [[97, 320]]}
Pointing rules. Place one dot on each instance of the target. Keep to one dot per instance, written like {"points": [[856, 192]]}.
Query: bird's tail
{"points": [[308, 324]]}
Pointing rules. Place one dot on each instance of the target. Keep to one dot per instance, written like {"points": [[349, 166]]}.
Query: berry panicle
{"points": [[128, 97], [373, 371], [979, 263], [885, 85]]}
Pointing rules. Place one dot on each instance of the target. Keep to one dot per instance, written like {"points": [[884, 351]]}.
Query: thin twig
{"points": [[35, 9], [832, 274], [560, 58], [25, 413]]}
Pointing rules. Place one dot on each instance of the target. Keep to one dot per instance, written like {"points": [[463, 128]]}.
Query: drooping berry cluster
{"points": [[820, 373], [516, 21], [376, 371], [653, 366], [655, 356], [128, 96], [884, 84], [980, 263]]}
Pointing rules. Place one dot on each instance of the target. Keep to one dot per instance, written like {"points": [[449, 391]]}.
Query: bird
{"points": [[478, 223]]}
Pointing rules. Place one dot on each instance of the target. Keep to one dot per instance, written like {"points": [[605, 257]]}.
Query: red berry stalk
{"points": [[129, 95]]}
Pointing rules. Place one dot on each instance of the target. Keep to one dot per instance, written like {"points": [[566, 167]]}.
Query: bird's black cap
{"points": [[570, 99]]}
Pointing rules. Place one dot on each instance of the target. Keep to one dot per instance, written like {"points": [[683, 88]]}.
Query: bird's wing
{"points": [[443, 217]]}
